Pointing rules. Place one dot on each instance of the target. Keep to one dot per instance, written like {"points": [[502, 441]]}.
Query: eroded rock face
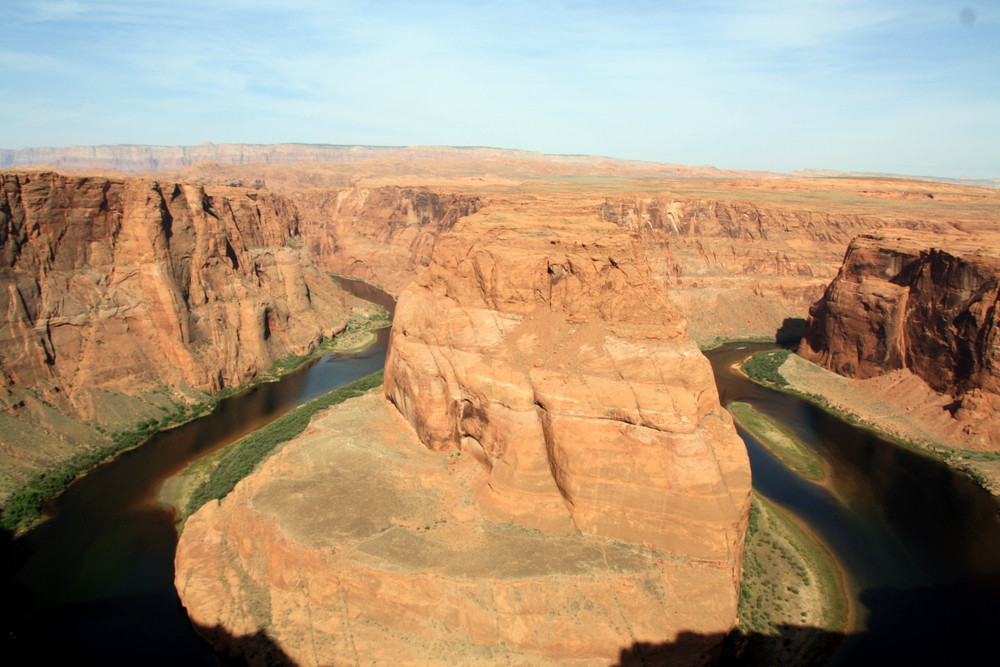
{"points": [[549, 353], [356, 544], [117, 288], [382, 235], [927, 303], [739, 269], [550, 480]]}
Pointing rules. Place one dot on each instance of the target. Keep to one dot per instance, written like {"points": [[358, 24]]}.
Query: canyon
{"points": [[549, 461], [923, 309], [552, 466], [124, 298]]}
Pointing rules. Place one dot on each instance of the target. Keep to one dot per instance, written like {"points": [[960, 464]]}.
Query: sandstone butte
{"points": [[122, 296], [549, 476], [926, 308]]}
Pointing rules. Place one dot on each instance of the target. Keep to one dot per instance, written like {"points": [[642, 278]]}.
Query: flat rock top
{"points": [[983, 243], [359, 482]]}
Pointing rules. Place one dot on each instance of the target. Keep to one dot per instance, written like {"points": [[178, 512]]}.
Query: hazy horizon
{"points": [[893, 87]]}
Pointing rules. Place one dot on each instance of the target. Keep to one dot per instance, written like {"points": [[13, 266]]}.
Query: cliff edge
{"points": [[920, 303], [122, 297]]}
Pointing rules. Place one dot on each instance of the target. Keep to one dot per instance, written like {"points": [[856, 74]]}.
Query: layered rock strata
{"points": [[740, 269], [382, 235], [119, 296], [923, 303], [547, 351], [551, 480]]}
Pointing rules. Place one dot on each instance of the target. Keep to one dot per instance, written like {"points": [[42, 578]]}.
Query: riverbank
{"points": [[792, 588], [214, 476], [779, 441], [890, 406], [23, 510]]}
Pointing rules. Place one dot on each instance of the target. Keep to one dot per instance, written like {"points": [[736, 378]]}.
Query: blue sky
{"points": [[906, 87]]}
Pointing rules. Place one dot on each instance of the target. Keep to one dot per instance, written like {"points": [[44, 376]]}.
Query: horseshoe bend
{"points": [[548, 475]]}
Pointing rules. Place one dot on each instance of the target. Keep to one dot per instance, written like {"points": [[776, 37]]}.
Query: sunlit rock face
{"points": [[548, 479], [926, 303], [551, 355], [122, 289], [383, 235]]}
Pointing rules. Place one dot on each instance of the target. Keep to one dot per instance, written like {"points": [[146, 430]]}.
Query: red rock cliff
{"points": [[117, 288], [738, 269], [384, 235], [547, 351], [923, 302]]}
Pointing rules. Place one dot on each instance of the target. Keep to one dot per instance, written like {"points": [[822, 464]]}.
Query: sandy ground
{"points": [[901, 405]]}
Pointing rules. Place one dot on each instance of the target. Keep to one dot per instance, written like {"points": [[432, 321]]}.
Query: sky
{"points": [[908, 87]]}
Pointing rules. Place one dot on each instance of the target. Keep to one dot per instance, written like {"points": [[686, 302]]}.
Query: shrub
{"points": [[763, 367]]}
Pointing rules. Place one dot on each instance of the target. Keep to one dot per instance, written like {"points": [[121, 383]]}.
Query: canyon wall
{"points": [[736, 269], [739, 269], [382, 235], [926, 303], [550, 478], [547, 351], [123, 296]]}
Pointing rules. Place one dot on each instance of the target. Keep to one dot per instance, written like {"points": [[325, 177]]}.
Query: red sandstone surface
{"points": [[926, 304], [121, 295], [528, 357], [565, 485]]}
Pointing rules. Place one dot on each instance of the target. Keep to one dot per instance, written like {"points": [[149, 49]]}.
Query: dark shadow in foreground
{"points": [[790, 645], [941, 625], [790, 333], [245, 650]]}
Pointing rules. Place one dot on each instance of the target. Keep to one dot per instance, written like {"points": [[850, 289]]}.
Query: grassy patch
{"points": [[763, 367], [240, 458], [780, 441], [789, 579], [963, 460], [24, 508]]}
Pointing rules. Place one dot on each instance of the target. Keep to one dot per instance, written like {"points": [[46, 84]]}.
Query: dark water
{"points": [[919, 542], [94, 584]]}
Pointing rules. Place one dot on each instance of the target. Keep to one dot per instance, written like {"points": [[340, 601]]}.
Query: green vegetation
{"points": [[967, 461], [24, 508], [789, 579], [377, 319], [239, 459], [780, 441], [763, 367]]}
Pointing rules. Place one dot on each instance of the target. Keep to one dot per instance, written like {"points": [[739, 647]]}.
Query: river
{"points": [[919, 543], [94, 584]]}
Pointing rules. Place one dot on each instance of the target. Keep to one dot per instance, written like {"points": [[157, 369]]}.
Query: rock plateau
{"points": [[549, 478]]}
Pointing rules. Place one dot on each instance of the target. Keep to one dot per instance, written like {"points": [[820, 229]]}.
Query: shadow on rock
{"points": [[790, 332], [790, 645], [256, 650]]}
